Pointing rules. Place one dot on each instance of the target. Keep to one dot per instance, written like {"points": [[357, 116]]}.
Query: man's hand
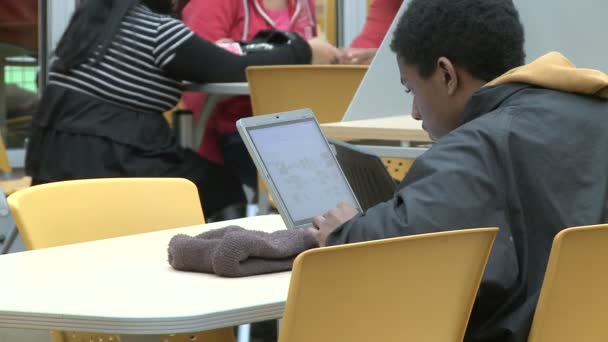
{"points": [[332, 220]]}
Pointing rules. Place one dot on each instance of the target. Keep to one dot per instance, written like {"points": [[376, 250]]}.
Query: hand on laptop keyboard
{"points": [[332, 220]]}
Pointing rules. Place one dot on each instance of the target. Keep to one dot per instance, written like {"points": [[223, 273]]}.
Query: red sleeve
{"points": [[211, 19], [379, 19]]}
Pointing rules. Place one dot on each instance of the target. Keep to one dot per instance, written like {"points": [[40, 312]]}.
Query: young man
{"points": [[521, 148]]}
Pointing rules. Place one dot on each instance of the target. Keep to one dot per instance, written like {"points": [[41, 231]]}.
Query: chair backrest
{"points": [[366, 174], [413, 288], [326, 89], [398, 167], [5, 165], [573, 303], [67, 212]]}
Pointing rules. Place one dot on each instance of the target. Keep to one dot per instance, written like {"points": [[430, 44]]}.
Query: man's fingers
{"points": [[318, 221], [344, 205], [333, 214]]}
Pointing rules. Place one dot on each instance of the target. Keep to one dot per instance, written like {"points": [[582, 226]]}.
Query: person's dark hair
{"points": [[94, 24], [485, 37], [179, 7]]}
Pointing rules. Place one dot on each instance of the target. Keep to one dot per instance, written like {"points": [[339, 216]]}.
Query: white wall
{"points": [[578, 29]]}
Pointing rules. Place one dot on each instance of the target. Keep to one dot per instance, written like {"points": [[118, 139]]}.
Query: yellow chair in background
{"points": [[413, 288], [397, 167], [69, 212], [5, 166], [12, 185], [326, 89], [573, 303]]}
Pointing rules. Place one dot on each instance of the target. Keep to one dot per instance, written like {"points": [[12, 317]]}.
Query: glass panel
{"points": [[18, 68]]}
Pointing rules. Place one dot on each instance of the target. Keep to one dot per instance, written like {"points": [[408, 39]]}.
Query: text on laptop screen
{"points": [[301, 166]]}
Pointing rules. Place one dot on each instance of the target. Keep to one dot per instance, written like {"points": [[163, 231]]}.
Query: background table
{"points": [[394, 128], [126, 286], [215, 93], [402, 129]]}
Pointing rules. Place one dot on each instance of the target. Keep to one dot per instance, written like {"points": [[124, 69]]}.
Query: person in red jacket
{"points": [[363, 48], [239, 20]]}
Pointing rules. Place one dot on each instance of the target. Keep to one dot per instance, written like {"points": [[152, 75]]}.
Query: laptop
{"points": [[300, 169]]}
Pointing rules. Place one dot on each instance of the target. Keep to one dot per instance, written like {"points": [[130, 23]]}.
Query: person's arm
{"points": [[379, 19], [201, 61], [458, 184], [185, 56]]}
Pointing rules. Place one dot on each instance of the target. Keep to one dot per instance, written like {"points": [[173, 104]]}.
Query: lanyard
{"points": [[269, 20]]}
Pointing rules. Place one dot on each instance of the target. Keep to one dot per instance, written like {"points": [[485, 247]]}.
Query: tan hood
{"points": [[554, 71]]}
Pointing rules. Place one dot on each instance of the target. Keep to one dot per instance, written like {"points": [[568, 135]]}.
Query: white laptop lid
{"points": [[299, 167]]}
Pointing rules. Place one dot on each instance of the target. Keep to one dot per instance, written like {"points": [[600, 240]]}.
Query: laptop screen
{"points": [[302, 168]]}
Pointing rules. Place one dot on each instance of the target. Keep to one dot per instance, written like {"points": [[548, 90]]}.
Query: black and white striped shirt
{"points": [[132, 72]]}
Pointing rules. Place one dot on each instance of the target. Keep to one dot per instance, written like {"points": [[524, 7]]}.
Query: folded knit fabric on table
{"points": [[234, 251]]}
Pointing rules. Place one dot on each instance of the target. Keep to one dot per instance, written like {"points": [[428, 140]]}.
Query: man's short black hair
{"points": [[485, 37]]}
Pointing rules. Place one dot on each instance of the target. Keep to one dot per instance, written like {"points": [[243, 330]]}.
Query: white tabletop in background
{"points": [[234, 88], [394, 128], [126, 286]]}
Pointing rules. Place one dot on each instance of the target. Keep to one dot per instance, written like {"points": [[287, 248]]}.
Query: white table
{"points": [[125, 286], [393, 128], [216, 92], [401, 128]]}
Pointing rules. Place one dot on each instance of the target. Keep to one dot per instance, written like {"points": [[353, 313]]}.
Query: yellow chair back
{"points": [[413, 288], [12, 185], [573, 303], [68, 212], [397, 167], [326, 89], [5, 166]]}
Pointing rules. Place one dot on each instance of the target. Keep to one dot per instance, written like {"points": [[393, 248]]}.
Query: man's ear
{"points": [[449, 76]]}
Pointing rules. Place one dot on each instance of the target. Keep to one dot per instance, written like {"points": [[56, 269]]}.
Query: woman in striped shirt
{"points": [[118, 66]]}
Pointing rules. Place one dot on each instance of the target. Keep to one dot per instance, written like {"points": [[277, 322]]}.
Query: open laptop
{"points": [[300, 170]]}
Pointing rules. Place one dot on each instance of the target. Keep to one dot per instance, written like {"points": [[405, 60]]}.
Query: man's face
{"points": [[435, 102]]}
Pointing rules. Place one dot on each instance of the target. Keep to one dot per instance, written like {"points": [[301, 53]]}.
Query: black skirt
{"points": [[78, 136]]}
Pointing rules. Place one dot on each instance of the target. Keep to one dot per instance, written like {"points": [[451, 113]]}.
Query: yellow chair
{"points": [[413, 288], [5, 166], [326, 89], [69, 212], [397, 167], [573, 304], [10, 186]]}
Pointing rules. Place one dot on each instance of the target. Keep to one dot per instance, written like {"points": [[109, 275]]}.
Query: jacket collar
{"points": [[488, 99]]}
